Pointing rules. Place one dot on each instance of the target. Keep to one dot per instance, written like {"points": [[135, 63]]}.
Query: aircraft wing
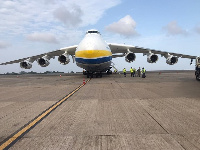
{"points": [[69, 50], [123, 49]]}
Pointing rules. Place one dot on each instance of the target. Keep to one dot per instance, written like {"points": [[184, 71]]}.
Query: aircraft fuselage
{"points": [[93, 54]]}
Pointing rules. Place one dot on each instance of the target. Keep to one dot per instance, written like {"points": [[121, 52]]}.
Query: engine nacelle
{"points": [[26, 65], [130, 57], [152, 58], [171, 60], [43, 62], [64, 59]]}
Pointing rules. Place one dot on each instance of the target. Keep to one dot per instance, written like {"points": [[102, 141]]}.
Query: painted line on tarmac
{"points": [[12, 139]]}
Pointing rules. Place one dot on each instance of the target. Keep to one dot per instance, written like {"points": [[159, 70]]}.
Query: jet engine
{"points": [[26, 64], [152, 58], [171, 60], [130, 57], [44, 61], [64, 59]]}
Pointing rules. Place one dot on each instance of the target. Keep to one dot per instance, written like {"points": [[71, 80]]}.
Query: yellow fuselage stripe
{"points": [[93, 53], [31, 124]]}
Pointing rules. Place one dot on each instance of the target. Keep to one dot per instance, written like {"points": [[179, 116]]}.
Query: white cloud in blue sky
{"points": [[4, 44], [33, 27], [125, 26], [197, 29], [72, 18], [173, 28], [42, 37]]}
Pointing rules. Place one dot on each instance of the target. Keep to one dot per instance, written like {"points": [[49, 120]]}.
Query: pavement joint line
{"points": [[13, 138], [156, 121]]}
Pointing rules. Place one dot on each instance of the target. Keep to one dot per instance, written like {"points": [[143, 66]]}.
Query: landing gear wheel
{"points": [[100, 75], [197, 74], [90, 75], [109, 71], [198, 77]]}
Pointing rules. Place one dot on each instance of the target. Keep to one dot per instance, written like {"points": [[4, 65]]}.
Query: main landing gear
{"points": [[91, 74], [197, 74], [97, 74], [109, 71]]}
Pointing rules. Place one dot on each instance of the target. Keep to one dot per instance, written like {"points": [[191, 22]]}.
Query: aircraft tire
{"points": [[197, 77], [197, 73]]}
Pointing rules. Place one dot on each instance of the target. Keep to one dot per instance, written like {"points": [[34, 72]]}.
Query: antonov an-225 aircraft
{"points": [[95, 55]]}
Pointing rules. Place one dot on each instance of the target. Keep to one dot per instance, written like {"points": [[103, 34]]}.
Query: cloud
{"points": [[20, 17], [72, 18], [42, 37], [125, 26], [173, 29], [4, 44], [197, 29], [95, 9]]}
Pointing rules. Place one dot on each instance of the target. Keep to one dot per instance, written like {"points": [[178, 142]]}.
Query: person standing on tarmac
{"points": [[124, 71], [131, 70], [138, 72], [143, 73], [134, 71]]}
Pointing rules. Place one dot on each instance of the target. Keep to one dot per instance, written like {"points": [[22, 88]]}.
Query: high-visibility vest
{"points": [[143, 70], [131, 70], [124, 70]]}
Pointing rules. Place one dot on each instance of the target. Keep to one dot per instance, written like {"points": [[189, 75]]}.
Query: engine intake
{"points": [[26, 65], [43, 62], [64, 59], [130, 57], [152, 58], [171, 60]]}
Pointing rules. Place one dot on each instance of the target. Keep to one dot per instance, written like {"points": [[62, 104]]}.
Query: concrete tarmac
{"points": [[160, 112]]}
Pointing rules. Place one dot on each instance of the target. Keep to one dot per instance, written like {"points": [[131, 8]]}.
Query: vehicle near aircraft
{"points": [[95, 55]]}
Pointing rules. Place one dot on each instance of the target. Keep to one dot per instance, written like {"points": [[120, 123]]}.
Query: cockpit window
{"points": [[92, 31]]}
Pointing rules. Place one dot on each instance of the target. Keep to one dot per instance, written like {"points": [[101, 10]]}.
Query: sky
{"points": [[29, 28]]}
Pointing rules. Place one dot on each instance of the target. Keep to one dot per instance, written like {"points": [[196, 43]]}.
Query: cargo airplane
{"points": [[95, 55]]}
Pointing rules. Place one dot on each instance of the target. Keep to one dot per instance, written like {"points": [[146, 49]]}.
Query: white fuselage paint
{"points": [[93, 53]]}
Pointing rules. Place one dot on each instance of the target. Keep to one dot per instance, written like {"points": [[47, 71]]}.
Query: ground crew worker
{"points": [[124, 71], [138, 72], [115, 71], [131, 70], [143, 73], [134, 71]]}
